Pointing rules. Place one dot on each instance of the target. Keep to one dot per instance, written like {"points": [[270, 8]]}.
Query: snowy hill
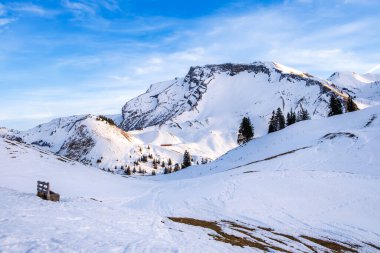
{"points": [[91, 140], [312, 187], [364, 88]]}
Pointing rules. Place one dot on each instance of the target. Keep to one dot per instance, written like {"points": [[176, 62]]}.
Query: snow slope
{"points": [[317, 178], [364, 88], [88, 139]]}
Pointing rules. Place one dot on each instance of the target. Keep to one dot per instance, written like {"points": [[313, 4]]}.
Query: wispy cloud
{"points": [[5, 21], [100, 56], [30, 8]]}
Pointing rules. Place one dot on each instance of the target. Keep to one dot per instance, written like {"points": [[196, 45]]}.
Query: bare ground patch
{"points": [[268, 240]]}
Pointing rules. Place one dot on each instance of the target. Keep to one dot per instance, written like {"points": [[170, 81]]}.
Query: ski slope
{"points": [[315, 179]]}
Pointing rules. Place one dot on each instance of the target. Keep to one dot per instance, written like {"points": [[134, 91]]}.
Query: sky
{"points": [[70, 57]]}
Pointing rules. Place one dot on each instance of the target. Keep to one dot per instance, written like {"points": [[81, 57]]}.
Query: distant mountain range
{"points": [[200, 113]]}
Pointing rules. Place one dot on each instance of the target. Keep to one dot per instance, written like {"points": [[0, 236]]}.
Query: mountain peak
{"points": [[164, 101]]}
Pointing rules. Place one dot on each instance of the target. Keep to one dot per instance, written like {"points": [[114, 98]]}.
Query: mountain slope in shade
{"points": [[365, 89]]}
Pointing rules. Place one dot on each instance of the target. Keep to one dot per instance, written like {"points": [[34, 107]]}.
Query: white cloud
{"points": [[31, 9], [5, 21]]}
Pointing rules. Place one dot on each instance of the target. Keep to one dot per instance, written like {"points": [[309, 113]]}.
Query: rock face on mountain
{"points": [[286, 87]]}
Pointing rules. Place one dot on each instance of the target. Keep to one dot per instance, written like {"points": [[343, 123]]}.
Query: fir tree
{"points": [[153, 172], [245, 131], [128, 171], [280, 119], [303, 114], [170, 162], [335, 106], [134, 170], [350, 105], [186, 159], [272, 123], [291, 117]]}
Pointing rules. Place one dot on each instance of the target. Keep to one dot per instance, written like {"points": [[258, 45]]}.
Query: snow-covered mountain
{"points": [[365, 88], [230, 89], [311, 187], [92, 140], [202, 111]]}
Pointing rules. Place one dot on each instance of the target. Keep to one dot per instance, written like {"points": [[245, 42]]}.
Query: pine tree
{"points": [[245, 131], [128, 172], [280, 119], [290, 117], [134, 170], [272, 123], [335, 106], [170, 162], [350, 105], [303, 114], [163, 164], [153, 172], [186, 159]]}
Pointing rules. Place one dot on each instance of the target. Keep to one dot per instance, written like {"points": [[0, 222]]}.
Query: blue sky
{"points": [[65, 57]]}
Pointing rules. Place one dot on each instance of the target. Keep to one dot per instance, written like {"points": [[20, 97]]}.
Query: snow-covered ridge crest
{"points": [[167, 100]]}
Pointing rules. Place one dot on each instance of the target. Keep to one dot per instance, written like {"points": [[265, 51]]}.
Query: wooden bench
{"points": [[44, 192]]}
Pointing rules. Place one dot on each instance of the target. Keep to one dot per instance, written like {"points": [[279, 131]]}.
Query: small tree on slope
{"points": [[186, 159], [280, 119], [291, 117], [303, 114], [335, 106], [350, 105], [245, 131], [272, 123]]}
